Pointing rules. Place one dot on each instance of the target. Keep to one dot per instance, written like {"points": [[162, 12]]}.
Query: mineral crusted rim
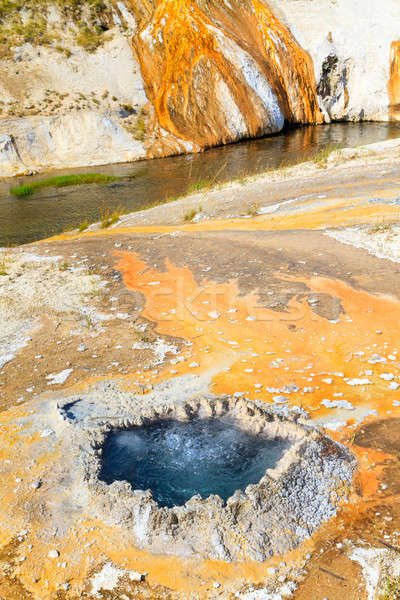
{"points": [[273, 516]]}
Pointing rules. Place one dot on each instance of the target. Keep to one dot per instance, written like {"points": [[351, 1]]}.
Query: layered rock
{"points": [[216, 73], [350, 43], [202, 73]]}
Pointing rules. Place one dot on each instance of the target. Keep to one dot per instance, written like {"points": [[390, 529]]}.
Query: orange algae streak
{"points": [[191, 60], [394, 82], [292, 68], [259, 352]]}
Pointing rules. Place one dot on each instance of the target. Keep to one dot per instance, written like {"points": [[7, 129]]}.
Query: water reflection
{"points": [[146, 183]]}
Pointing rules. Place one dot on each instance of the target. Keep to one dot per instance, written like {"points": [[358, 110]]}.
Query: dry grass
{"points": [[22, 22]]}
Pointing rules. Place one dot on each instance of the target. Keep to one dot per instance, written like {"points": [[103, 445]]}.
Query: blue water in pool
{"points": [[177, 460]]}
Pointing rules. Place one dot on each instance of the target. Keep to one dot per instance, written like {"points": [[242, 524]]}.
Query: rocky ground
{"points": [[283, 289]]}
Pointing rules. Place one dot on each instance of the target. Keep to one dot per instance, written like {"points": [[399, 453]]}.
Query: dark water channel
{"points": [[146, 183]]}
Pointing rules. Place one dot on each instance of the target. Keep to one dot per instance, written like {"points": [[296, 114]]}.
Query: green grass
{"points": [[60, 181], [108, 218], [391, 590], [198, 186], [84, 225], [321, 157]]}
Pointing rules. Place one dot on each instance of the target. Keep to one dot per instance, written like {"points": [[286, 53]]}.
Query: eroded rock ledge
{"points": [[275, 515]]}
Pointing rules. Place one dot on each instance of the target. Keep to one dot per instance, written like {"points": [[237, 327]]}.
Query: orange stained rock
{"points": [[191, 52], [394, 81], [248, 348], [331, 212]]}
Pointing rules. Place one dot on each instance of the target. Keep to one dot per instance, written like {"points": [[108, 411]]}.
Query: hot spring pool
{"points": [[177, 460]]}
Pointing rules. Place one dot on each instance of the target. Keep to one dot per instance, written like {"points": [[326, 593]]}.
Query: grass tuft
{"points": [[84, 225], [108, 218], [60, 181], [391, 590], [321, 157], [380, 228], [190, 215], [198, 185]]}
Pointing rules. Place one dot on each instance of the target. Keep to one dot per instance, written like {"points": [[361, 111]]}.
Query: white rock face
{"points": [[353, 37], [10, 162], [69, 137], [74, 139]]}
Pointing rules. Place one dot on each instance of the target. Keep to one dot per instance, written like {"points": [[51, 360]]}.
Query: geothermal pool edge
{"points": [[311, 479]]}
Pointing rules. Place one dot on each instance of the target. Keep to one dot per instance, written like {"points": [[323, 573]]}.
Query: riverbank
{"points": [[139, 186], [263, 197]]}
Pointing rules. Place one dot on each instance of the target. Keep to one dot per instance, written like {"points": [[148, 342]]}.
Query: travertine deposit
{"points": [[120, 81], [273, 516]]}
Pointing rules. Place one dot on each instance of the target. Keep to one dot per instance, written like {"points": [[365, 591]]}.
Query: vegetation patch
{"points": [[61, 181], [321, 157], [22, 22], [189, 216], [108, 217], [391, 590]]}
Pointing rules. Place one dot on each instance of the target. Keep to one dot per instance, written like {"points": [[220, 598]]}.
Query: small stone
{"points": [[135, 576], [53, 554], [216, 585], [36, 485], [214, 314], [387, 376]]}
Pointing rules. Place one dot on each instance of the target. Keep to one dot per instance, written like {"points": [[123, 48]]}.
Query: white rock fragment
{"points": [[46, 433], [387, 376], [53, 554], [337, 404], [108, 578], [59, 378], [214, 314], [357, 381]]}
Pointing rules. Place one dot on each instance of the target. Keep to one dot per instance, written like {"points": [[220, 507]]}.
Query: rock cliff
{"points": [[95, 82]]}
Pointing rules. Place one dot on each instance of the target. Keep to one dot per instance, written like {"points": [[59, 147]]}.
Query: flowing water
{"points": [[146, 183], [177, 460]]}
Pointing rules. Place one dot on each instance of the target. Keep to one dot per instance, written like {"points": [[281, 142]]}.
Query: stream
{"points": [[146, 183]]}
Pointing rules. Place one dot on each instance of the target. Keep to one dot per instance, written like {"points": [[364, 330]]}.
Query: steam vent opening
{"points": [[177, 460]]}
